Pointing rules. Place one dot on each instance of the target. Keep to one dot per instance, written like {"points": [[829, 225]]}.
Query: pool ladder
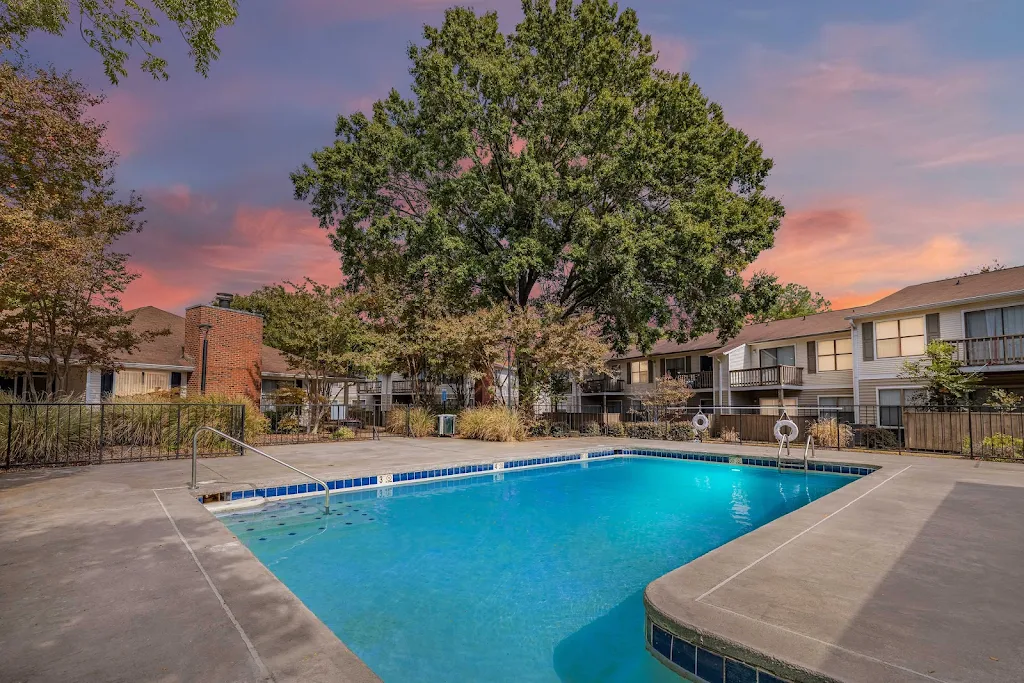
{"points": [[809, 446], [242, 444]]}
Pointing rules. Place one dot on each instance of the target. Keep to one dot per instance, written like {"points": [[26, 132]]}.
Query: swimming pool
{"points": [[532, 575]]}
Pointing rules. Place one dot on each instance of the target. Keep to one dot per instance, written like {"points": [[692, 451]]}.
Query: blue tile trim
{"points": [[512, 464], [357, 482], [706, 664]]}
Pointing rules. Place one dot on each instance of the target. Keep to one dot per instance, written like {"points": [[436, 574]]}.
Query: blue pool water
{"points": [[535, 575]]}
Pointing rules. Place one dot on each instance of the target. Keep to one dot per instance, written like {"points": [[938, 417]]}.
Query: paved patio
{"points": [[115, 573]]}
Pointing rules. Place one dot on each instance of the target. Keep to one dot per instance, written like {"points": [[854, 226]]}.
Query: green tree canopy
{"points": [[556, 164], [779, 302], [114, 27]]}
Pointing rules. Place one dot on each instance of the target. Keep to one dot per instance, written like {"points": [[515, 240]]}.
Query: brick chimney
{"points": [[234, 344]]}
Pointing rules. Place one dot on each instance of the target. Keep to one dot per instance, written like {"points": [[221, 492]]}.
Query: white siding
{"points": [[951, 326]]}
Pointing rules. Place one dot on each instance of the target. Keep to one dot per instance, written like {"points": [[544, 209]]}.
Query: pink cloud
{"points": [[126, 116], [674, 54]]}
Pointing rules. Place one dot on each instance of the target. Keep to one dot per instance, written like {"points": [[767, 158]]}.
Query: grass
{"points": [[491, 423], [420, 421], [830, 434]]}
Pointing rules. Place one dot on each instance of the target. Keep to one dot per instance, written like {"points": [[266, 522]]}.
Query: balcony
{"points": [[372, 387], [698, 380], [401, 386], [981, 351], [775, 376], [604, 385]]}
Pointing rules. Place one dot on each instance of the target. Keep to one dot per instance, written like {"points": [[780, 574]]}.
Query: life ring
{"points": [[700, 422], [794, 431]]}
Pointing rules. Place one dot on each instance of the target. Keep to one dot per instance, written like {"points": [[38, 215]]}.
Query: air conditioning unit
{"points": [[446, 425]]}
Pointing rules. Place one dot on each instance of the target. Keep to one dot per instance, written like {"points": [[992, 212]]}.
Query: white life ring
{"points": [[794, 431], [700, 422]]}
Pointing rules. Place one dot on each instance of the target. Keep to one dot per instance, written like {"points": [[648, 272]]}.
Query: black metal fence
{"points": [[62, 433], [961, 430]]}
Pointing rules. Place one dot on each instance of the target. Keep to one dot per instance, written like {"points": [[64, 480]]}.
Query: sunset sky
{"points": [[895, 127]]}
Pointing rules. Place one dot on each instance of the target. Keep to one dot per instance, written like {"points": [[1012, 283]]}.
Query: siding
{"points": [[868, 388], [93, 385], [810, 397], [133, 382], [951, 326]]}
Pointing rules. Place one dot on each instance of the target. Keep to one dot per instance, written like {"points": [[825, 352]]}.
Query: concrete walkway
{"points": [[116, 573]]}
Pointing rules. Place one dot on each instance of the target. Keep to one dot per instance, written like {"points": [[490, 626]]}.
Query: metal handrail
{"points": [[808, 445], [195, 452]]}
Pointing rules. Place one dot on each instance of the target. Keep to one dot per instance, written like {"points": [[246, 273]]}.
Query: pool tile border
{"points": [[389, 479], [696, 662]]}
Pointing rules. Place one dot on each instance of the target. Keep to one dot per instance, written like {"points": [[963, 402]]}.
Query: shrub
{"points": [[574, 434], [420, 421], [831, 433], [878, 437], [615, 429], [996, 446], [539, 428], [343, 434], [644, 430], [491, 423], [559, 429], [289, 424], [591, 429], [41, 434], [730, 435], [680, 431]]}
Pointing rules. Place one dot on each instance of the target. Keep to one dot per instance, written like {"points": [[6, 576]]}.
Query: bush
{"points": [[491, 423], [343, 434], [996, 446], [559, 429], [615, 429], [730, 435], [574, 434], [591, 429], [289, 424], [671, 431], [827, 432], [42, 434], [539, 428], [681, 431], [878, 437], [420, 421]]}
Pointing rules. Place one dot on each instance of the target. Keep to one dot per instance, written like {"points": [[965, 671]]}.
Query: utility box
{"points": [[446, 425]]}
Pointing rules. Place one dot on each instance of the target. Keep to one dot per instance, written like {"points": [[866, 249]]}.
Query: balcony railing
{"points": [[372, 387], [605, 385], [1004, 350], [401, 386], [698, 380], [777, 375]]}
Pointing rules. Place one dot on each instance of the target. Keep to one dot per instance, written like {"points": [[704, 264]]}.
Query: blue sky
{"points": [[895, 128]]}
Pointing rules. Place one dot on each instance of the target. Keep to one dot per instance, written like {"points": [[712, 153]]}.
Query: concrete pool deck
{"points": [[116, 573]]}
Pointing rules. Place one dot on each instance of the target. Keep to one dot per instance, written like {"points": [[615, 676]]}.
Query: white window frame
{"points": [[834, 355], [900, 337]]}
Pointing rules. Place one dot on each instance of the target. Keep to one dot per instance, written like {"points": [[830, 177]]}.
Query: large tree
{"points": [[556, 164], [319, 330], [113, 28], [791, 300], [60, 277]]}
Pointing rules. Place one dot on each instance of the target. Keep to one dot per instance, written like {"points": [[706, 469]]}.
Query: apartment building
{"points": [[981, 315], [839, 358]]}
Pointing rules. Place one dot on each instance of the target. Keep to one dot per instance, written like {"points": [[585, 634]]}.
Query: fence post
{"points": [[101, 428], [408, 419], [839, 438], [10, 422], [241, 436], [970, 430], [177, 437]]}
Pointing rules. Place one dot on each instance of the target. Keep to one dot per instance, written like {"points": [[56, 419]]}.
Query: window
{"points": [[835, 354], [175, 380], [840, 407], [639, 372], [995, 322], [780, 355], [772, 406], [706, 364], [900, 337], [674, 367]]}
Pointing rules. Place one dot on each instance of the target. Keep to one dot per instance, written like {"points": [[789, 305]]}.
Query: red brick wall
{"points": [[234, 351]]}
